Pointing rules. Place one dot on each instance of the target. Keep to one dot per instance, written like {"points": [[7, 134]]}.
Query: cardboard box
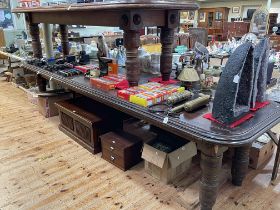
{"points": [[168, 167], [261, 151], [46, 103]]}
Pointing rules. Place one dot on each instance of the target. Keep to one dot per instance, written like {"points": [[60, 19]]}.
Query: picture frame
{"points": [[202, 16], [236, 9], [191, 15]]}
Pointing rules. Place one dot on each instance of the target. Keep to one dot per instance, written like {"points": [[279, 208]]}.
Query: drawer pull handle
{"points": [[112, 158], [112, 148], [113, 142]]}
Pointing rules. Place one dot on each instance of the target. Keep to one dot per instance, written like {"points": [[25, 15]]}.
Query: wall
{"points": [[242, 4]]}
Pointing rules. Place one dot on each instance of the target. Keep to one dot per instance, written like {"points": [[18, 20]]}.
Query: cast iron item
{"points": [[260, 67], [234, 91]]}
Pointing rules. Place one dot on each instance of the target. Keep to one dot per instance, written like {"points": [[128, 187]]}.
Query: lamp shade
{"points": [[188, 74]]}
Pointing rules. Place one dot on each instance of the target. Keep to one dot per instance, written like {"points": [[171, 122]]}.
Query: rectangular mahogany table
{"points": [[212, 139]]}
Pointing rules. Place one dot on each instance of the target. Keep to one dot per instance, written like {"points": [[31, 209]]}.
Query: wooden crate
{"points": [[260, 153]]}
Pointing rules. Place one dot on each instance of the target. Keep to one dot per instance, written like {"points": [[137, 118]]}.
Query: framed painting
{"points": [[235, 9], [202, 16], [191, 15]]}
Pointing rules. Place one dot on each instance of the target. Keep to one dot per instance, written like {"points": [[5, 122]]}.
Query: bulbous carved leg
{"points": [[209, 183], [240, 164], [211, 163], [64, 39], [167, 39], [36, 43], [132, 43]]}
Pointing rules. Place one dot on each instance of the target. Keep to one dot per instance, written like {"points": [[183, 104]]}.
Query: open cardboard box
{"points": [[168, 167]]}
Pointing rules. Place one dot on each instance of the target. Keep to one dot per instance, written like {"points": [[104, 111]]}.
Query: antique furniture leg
{"points": [[36, 43], [211, 163], [276, 164], [167, 40], [277, 158], [132, 43], [64, 39], [37, 52], [131, 23], [240, 164]]}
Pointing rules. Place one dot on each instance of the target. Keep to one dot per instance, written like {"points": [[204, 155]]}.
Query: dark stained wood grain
{"points": [[189, 125], [36, 42], [240, 164], [64, 39], [115, 5], [167, 39], [132, 43], [210, 163]]}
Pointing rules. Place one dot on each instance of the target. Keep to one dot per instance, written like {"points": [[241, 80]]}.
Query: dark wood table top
{"points": [[115, 5], [153, 13], [191, 126]]}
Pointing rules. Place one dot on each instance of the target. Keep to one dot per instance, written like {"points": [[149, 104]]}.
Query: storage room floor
{"points": [[42, 168]]}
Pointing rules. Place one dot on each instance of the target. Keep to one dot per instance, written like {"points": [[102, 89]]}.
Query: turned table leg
{"points": [[276, 163], [37, 51], [64, 39], [211, 163], [167, 40], [132, 43], [240, 164], [36, 43]]}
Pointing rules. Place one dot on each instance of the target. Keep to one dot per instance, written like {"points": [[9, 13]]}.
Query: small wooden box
{"points": [[84, 121], [121, 149], [260, 153]]}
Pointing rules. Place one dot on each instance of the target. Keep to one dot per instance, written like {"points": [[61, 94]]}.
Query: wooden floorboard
{"points": [[41, 168]]}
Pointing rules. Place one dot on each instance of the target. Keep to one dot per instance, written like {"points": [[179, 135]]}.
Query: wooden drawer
{"points": [[121, 148], [114, 159], [114, 148]]}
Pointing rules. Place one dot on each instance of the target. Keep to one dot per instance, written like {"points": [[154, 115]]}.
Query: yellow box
{"points": [[142, 99]]}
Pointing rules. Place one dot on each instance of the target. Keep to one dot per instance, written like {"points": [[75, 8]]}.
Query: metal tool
{"points": [[178, 97], [192, 105]]}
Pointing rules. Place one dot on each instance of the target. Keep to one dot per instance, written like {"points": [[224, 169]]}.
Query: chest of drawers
{"points": [[121, 149]]}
